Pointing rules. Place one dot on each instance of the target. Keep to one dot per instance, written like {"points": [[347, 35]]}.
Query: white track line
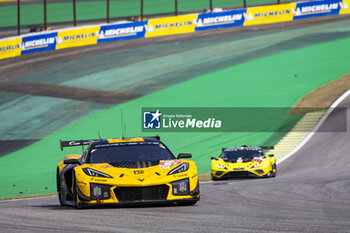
{"points": [[318, 125]]}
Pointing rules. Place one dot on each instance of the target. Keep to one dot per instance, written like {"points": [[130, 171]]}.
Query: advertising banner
{"points": [[77, 37], [122, 31], [220, 19], [269, 14], [10, 48], [38, 43], [171, 25], [316, 8], [344, 7]]}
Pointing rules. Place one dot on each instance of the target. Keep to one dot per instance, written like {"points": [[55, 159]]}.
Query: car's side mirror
{"points": [[271, 155], [213, 158], [72, 161], [184, 156]]}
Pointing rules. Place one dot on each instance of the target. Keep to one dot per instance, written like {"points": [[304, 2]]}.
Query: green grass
{"points": [[88, 10], [266, 82]]}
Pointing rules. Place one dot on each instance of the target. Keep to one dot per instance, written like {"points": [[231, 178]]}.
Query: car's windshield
{"points": [[116, 153], [244, 154]]}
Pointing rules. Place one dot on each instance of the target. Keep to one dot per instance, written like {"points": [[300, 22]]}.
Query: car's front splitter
{"points": [[139, 203]]}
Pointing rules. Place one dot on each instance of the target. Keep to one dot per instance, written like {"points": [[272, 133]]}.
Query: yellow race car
{"points": [[243, 161], [126, 171]]}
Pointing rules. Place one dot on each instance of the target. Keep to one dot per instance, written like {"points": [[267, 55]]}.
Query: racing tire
{"points": [[274, 173], [75, 193], [59, 192], [60, 198]]}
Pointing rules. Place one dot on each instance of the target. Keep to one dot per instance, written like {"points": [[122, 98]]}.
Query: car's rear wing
{"points": [[262, 147], [76, 143], [267, 147], [87, 142]]}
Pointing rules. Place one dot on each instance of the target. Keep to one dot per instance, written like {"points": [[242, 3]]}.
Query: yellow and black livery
{"points": [[126, 171], [243, 161]]}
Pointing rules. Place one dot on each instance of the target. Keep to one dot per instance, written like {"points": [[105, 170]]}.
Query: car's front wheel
{"points": [[274, 170], [59, 191], [75, 193]]}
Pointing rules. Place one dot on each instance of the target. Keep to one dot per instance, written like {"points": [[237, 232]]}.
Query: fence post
{"points": [[176, 12], [141, 10], [278, 1], [45, 15], [245, 3], [74, 13], [18, 17], [211, 5], [107, 11]]}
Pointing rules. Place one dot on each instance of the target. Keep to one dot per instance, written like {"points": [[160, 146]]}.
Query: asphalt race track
{"points": [[311, 193]]}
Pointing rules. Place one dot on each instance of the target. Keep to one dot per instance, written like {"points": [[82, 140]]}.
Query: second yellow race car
{"points": [[243, 161], [126, 171]]}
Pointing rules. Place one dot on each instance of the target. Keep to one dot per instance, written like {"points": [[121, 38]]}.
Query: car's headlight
{"points": [[220, 166], [100, 191], [181, 187], [256, 165], [181, 168], [92, 172]]}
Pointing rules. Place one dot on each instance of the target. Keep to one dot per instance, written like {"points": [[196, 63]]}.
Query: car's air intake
{"points": [[151, 193], [139, 164]]}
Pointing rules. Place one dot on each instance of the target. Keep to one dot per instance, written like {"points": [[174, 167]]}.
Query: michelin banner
{"points": [[81, 36], [345, 9], [269, 14], [10, 48], [316, 8], [39, 43], [77, 37], [171, 25], [124, 31], [220, 19]]}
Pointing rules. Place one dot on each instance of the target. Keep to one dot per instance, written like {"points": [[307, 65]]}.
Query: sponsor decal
{"points": [[123, 31], [269, 14], [81, 142], [101, 180], [220, 19], [344, 7], [118, 141], [317, 8], [81, 182], [38, 43], [10, 48], [166, 164], [257, 159], [171, 25], [77, 37], [138, 172], [105, 167]]}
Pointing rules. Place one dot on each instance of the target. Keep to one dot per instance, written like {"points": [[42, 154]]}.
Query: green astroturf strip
{"points": [[276, 81], [63, 12]]}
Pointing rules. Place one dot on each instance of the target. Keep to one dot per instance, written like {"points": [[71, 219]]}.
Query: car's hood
{"points": [[243, 165]]}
